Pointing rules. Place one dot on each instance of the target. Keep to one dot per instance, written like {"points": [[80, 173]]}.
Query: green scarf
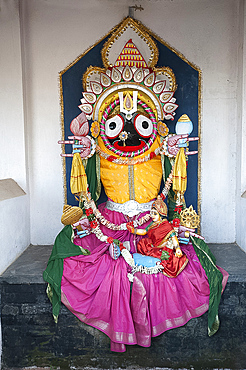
{"points": [[62, 248], [215, 278]]}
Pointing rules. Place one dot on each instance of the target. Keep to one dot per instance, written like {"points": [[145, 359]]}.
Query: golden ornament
{"points": [[184, 118], [71, 215], [95, 129], [162, 128], [189, 218]]}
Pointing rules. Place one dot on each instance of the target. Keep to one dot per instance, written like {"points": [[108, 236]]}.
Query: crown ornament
{"points": [[129, 57], [160, 206]]}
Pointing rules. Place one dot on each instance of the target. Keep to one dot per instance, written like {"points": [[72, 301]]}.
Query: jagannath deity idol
{"points": [[123, 266]]}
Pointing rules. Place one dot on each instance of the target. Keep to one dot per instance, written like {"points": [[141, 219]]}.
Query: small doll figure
{"points": [[161, 241]]}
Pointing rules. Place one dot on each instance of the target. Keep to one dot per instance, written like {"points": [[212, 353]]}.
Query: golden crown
{"points": [[160, 206]]}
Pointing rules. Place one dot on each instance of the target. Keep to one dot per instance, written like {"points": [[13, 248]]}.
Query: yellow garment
{"points": [[78, 178], [179, 172], [140, 182]]}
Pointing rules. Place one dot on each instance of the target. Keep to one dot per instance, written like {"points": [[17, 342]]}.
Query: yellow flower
{"points": [[162, 128], [95, 129]]}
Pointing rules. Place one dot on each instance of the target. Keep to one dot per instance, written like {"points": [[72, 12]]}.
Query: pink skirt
{"points": [[97, 290]]}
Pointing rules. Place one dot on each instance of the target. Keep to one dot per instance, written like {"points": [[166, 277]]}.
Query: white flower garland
{"points": [[89, 203]]}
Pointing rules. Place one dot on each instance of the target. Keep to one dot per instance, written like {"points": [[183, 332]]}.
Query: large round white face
{"points": [[155, 215]]}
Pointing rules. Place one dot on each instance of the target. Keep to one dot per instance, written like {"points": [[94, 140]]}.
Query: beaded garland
{"points": [[95, 217], [129, 161], [93, 213], [136, 152]]}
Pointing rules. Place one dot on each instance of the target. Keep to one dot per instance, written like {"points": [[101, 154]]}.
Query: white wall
{"points": [[206, 32], [55, 32], [14, 213], [241, 138]]}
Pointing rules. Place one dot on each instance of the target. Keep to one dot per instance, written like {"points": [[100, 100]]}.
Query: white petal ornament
{"points": [[127, 73], [138, 75], [159, 87], [170, 108], [108, 72], [166, 96], [86, 108], [116, 75], [149, 80], [96, 87], [105, 80], [169, 116], [88, 97]]}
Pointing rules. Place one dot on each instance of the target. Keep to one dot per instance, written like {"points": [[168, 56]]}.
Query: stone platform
{"points": [[31, 338]]}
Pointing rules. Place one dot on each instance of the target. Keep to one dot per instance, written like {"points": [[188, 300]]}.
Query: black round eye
{"points": [[143, 125], [113, 126]]}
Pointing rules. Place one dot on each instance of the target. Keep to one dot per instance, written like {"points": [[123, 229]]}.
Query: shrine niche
{"points": [[130, 261], [185, 91]]}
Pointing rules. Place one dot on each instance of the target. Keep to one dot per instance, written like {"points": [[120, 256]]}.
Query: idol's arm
{"points": [[136, 231], [178, 252]]}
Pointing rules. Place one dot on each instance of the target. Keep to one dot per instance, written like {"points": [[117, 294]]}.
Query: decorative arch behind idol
{"points": [[133, 90]]}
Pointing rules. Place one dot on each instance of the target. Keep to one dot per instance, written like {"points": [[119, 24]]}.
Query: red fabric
{"points": [[129, 148], [149, 247]]}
